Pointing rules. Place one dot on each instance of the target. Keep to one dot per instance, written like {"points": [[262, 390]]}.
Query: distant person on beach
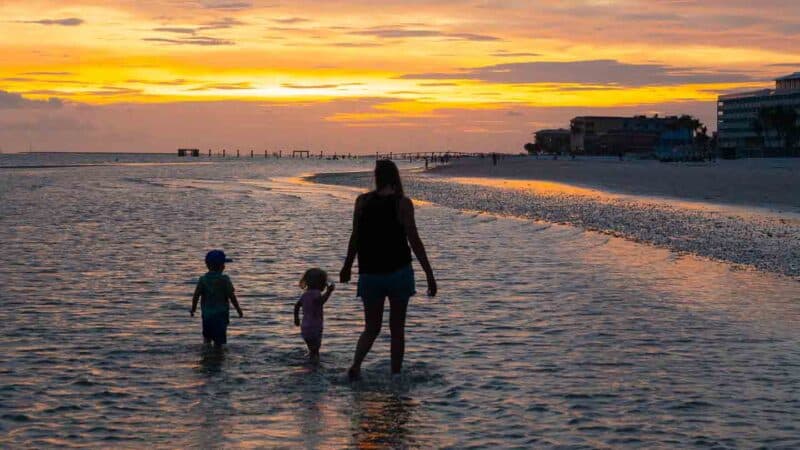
{"points": [[494, 159], [215, 292], [383, 228], [314, 281]]}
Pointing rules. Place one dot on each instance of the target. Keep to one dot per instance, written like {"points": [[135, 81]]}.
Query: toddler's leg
{"points": [[314, 343]]}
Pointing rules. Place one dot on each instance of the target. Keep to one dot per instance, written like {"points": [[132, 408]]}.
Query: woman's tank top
{"points": [[382, 240]]}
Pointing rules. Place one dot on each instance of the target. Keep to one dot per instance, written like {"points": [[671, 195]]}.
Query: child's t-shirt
{"points": [[215, 290], [312, 310]]}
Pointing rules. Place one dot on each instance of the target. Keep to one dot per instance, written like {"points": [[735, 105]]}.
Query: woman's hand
{"points": [[432, 288], [344, 275]]}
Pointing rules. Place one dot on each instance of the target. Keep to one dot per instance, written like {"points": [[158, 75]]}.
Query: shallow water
{"points": [[542, 335]]}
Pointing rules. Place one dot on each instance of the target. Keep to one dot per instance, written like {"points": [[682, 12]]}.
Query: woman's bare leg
{"points": [[373, 317], [397, 326]]}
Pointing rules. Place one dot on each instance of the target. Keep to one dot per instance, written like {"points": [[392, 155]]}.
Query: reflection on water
{"points": [[213, 404], [543, 335], [381, 420]]}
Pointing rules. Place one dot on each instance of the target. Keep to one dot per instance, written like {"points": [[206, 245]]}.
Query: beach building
{"points": [[609, 135], [195, 152], [552, 140], [738, 123]]}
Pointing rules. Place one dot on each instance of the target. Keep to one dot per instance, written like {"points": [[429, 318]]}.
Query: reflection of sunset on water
{"points": [[542, 334]]}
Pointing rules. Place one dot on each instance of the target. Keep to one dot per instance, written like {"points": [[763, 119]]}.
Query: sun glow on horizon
{"points": [[429, 61]]}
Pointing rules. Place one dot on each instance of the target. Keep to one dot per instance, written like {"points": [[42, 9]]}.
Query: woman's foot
{"points": [[354, 374]]}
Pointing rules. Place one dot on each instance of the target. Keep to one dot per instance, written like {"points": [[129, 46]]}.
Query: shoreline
{"points": [[737, 234], [765, 183]]}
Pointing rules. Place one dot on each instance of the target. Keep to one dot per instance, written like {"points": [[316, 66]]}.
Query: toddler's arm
{"points": [[195, 298], [297, 313], [328, 293]]}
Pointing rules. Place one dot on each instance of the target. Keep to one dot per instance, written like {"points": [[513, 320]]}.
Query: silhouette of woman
{"points": [[383, 228]]}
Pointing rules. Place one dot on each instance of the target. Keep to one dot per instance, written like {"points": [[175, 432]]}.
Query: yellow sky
{"points": [[419, 58]]}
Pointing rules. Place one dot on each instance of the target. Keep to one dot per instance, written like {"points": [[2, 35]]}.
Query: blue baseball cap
{"points": [[217, 257]]}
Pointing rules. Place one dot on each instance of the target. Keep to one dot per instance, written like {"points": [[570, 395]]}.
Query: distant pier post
{"points": [[223, 152], [265, 154], [237, 152], [251, 153]]}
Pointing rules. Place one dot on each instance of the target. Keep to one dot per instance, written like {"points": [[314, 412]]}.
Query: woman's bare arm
{"points": [[406, 211], [352, 246]]}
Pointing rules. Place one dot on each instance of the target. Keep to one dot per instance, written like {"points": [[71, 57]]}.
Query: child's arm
{"points": [[328, 293], [297, 313], [195, 298], [236, 305], [232, 297]]}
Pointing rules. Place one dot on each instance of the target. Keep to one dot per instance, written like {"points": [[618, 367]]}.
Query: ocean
{"points": [[542, 335]]}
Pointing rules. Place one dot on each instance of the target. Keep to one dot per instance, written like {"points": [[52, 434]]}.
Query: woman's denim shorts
{"points": [[396, 285]]}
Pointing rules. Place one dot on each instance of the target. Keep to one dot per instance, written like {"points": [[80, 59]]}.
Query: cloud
{"points": [[355, 44], [650, 17], [175, 82], [178, 30], [225, 5], [291, 20], [225, 22], [402, 32], [437, 84], [47, 73], [67, 22], [107, 91], [194, 40], [11, 100], [505, 54], [600, 72], [471, 37], [224, 86], [311, 86]]}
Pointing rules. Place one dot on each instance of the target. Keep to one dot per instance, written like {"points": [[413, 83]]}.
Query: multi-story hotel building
{"points": [[737, 115]]}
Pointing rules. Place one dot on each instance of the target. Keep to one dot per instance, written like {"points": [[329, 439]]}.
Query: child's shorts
{"points": [[215, 328]]}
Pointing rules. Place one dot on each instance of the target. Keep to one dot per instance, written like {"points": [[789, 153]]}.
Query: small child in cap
{"points": [[215, 293]]}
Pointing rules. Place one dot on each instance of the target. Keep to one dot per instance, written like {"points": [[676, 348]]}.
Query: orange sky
{"points": [[368, 76]]}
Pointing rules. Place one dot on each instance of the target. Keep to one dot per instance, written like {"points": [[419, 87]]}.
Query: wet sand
{"points": [[772, 183], [765, 236]]}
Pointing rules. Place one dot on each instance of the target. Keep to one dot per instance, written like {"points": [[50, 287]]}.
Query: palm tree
{"points": [[782, 121], [530, 148]]}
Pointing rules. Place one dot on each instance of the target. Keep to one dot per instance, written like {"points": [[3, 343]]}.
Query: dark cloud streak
{"points": [[194, 40], [402, 32], [597, 72], [11, 100], [67, 22]]}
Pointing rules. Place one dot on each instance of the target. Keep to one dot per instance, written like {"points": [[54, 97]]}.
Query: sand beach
{"points": [[687, 208], [772, 183]]}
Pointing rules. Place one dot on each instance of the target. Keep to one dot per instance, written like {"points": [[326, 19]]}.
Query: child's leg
{"points": [[206, 331], [215, 329], [313, 343]]}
